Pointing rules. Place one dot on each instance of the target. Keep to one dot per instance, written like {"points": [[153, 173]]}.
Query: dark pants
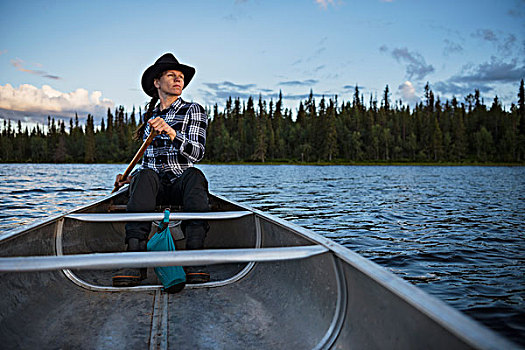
{"points": [[147, 189]]}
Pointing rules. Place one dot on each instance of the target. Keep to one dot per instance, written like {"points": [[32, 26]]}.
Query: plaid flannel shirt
{"points": [[171, 158]]}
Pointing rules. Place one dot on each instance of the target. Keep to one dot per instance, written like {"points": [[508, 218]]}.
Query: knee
{"points": [[145, 173], [195, 173], [144, 177], [143, 191], [195, 176]]}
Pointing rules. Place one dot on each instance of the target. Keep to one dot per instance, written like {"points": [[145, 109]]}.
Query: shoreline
{"points": [[336, 163]]}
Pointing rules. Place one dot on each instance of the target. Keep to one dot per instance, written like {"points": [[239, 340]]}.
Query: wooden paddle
{"points": [[137, 157]]}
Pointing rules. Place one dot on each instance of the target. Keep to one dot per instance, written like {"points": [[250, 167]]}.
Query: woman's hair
{"points": [[139, 133]]}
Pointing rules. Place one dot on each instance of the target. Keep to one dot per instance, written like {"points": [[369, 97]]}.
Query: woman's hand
{"points": [[159, 125], [119, 181]]}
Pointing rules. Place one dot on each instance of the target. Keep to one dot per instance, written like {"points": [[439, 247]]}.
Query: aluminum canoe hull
{"points": [[334, 299]]}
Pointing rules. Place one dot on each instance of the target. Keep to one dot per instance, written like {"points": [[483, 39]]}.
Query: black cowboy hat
{"points": [[164, 63]]}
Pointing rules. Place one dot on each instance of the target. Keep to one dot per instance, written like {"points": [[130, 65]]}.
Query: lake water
{"points": [[456, 232]]}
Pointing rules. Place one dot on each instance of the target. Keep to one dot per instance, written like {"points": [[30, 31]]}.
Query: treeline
{"points": [[434, 131], [322, 131], [111, 142]]}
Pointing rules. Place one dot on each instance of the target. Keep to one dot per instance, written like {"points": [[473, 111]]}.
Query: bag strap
{"points": [[165, 222], [166, 215]]}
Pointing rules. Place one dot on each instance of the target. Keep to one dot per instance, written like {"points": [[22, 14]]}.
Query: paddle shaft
{"points": [[137, 157]]}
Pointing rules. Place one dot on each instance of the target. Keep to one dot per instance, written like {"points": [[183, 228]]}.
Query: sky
{"points": [[59, 58]]}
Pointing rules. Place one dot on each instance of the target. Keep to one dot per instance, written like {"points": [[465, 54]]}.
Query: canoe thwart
{"points": [[154, 259], [126, 217]]}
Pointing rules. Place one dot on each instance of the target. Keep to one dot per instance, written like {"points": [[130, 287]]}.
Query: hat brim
{"points": [[157, 69]]}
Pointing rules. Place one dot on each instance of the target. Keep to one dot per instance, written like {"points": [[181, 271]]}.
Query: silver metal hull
{"points": [[331, 299]]}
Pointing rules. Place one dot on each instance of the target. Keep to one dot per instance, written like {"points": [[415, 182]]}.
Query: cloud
{"points": [[308, 82], [46, 100], [296, 97], [484, 77], [314, 55], [517, 9], [506, 43], [415, 64], [408, 92], [485, 34], [238, 12], [332, 76], [321, 47], [319, 51], [325, 3], [218, 93], [495, 71], [352, 87], [451, 47], [19, 65], [516, 13], [227, 85], [459, 89]]}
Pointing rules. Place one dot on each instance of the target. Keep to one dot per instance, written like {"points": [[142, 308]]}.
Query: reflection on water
{"points": [[457, 232]]}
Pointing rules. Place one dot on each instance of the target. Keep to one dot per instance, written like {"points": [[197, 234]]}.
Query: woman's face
{"points": [[171, 82]]}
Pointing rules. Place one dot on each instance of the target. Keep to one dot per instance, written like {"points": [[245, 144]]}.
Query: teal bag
{"points": [[169, 276]]}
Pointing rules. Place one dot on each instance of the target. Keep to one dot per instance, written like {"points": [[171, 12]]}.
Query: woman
{"points": [[167, 174]]}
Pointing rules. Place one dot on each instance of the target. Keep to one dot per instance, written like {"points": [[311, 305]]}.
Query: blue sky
{"points": [[58, 57]]}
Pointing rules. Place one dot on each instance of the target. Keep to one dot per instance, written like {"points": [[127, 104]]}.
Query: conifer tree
{"points": [[520, 120], [278, 125], [109, 124], [251, 128], [89, 141], [331, 150], [261, 147], [241, 129]]}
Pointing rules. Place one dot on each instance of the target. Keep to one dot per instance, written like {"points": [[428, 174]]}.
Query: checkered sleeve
{"points": [[191, 140]]}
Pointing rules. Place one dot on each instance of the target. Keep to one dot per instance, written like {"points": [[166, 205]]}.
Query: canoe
{"points": [[275, 285]]}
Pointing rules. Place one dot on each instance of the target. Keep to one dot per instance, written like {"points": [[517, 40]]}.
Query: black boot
{"points": [[196, 274], [130, 277], [195, 232]]}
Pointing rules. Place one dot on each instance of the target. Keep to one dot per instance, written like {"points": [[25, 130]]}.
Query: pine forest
{"points": [[320, 130]]}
